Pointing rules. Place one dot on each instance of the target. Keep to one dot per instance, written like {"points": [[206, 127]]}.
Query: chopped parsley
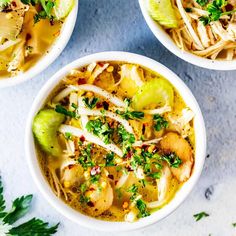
{"points": [[100, 129], [126, 138], [90, 103], [85, 157], [63, 110], [134, 191], [172, 159], [159, 122], [94, 179], [110, 159], [155, 175], [84, 199], [202, 2], [215, 11], [132, 115], [200, 215], [142, 207]]}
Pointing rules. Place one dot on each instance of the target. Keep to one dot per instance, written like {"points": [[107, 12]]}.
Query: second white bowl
{"points": [[166, 40]]}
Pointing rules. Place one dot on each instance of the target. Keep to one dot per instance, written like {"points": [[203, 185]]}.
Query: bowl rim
{"points": [[53, 53], [166, 41], [90, 222]]}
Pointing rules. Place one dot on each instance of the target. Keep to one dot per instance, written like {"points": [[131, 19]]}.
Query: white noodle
{"points": [[91, 138]]}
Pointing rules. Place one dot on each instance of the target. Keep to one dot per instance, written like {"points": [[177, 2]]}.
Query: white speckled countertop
{"points": [[118, 25]]}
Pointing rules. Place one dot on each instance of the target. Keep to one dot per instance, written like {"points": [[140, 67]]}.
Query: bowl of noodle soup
{"points": [[27, 51], [59, 185], [215, 51]]}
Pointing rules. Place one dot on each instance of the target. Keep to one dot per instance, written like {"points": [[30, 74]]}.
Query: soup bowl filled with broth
{"points": [[200, 32], [32, 35], [115, 141]]}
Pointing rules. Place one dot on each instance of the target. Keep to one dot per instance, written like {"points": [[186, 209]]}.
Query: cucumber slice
{"points": [[156, 91], [62, 8], [45, 126], [163, 12]]}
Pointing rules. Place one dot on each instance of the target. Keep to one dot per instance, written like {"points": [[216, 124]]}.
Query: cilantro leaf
{"points": [[2, 201], [132, 115], [90, 103], [142, 207], [200, 215], [99, 129], [172, 159], [159, 122], [202, 2], [63, 110], [110, 159]]}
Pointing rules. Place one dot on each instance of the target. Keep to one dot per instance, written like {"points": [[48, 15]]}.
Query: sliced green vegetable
{"points": [[163, 12], [45, 126], [156, 91], [62, 8]]}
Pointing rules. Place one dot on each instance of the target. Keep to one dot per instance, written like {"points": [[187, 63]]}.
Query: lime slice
{"points": [[45, 126], [156, 91], [163, 12], [62, 8]]}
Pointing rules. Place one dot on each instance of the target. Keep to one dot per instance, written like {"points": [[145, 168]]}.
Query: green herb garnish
{"points": [[159, 122], [172, 159], [126, 138], [63, 110], [90, 103], [100, 129], [234, 224], [215, 11], [85, 157], [142, 207], [110, 159], [200, 215], [131, 115], [202, 2], [20, 208], [68, 135]]}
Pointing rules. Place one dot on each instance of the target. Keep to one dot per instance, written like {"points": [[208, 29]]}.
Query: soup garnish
{"points": [[206, 28], [115, 141], [27, 30]]}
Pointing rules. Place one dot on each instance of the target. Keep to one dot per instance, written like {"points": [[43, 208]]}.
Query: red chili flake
{"points": [[90, 204], [70, 166], [116, 181], [81, 81], [14, 4], [83, 69], [100, 64], [82, 138], [129, 168], [95, 170], [99, 105], [28, 37], [105, 105], [91, 189], [110, 176]]}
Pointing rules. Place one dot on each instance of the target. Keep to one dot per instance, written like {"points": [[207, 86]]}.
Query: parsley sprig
{"points": [[20, 208], [90, 103], [172, 159]]}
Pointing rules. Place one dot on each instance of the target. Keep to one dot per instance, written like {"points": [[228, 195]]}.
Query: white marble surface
{"points": [[118, 25]]}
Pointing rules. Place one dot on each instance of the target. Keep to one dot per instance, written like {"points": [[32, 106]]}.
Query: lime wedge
{"points": [[163, 12], [62, 8], [45, 126], [156, 91]]}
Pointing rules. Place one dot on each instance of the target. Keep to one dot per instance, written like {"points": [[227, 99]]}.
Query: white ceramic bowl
{"points": [[166, 40], [54, 51], [181, 194]]}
